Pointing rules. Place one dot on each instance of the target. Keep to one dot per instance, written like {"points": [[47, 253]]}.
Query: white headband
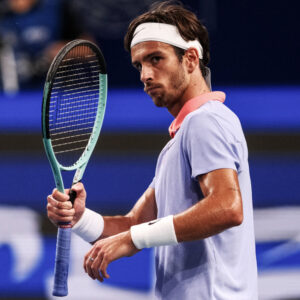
{"points": [[165, 33]]}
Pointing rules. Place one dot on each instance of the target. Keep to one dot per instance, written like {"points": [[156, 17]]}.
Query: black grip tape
{"points": [[73, 196]]}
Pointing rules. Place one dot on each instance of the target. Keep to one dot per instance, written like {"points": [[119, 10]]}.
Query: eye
{"points": [[155, 59], [138, 67]]}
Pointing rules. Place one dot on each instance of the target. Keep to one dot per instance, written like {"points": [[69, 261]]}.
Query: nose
{"points": [[146, 74]]}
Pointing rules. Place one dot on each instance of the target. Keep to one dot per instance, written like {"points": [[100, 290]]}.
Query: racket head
{"points": [[74, 104]]}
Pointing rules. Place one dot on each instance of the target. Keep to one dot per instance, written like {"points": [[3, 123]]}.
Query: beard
{"points": [[170, 94]]}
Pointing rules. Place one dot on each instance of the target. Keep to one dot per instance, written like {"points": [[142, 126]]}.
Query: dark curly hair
{"points": [[173, 12]]}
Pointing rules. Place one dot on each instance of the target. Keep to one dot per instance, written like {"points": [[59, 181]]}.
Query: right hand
{"points": [[60, 208]]}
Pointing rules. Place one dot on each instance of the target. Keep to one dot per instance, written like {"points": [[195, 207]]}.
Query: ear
{"points": [[192, 59]]}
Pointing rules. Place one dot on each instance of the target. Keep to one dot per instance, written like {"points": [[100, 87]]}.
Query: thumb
{"points": [[80, 196], [78, 187]]}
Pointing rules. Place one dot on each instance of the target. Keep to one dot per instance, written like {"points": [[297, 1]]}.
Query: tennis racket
{"points": [[74, 102]]}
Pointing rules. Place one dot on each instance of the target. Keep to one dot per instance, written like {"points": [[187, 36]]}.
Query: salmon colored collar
{"points": [[192, 105]]}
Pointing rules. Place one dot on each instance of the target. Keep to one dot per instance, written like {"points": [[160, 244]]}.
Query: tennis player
{"points": [[197, 212]]}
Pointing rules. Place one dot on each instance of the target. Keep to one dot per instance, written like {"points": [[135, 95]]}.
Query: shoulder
{"points": [[213, 116], [201, 119], [212, 110]]}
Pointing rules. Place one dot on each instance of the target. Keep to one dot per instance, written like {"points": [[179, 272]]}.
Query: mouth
{"points": [[151, 89]]}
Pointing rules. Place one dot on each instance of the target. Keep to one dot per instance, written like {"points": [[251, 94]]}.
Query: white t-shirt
{"points": [[223, 266]]}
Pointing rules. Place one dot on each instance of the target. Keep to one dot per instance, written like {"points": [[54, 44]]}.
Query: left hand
{"points": [[105, 251]]}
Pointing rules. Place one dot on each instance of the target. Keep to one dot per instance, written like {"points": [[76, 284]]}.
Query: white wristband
{"points": [[158, 232], [90, 226]]}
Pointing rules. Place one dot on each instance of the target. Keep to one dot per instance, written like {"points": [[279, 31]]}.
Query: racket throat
{"points": [[79, 173]]}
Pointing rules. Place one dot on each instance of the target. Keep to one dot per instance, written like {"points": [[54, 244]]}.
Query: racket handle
{"points": [[73, 196], [62, 262]]}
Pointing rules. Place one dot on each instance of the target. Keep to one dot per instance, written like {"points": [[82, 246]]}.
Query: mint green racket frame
{"points": [[81, 163], [64, 228]]}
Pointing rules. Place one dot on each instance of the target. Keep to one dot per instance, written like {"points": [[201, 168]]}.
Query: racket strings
{"points": [[65, 112], [57, 85], [75, 85], [74, 104], [75, 94], [66, 73]]}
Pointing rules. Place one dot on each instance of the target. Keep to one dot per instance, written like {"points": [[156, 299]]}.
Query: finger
{"points": [[63, 212], [78, 187], [50, 215], [95, 267], [55, 219], [60, 212], [51, 200], [64, 205], [92, 262], [61, 205], [103, 268], [58, 219], [60, 215], [95, 270], [88, 267], [86, 259], [84, 263], [60, 196], [89, 270]]}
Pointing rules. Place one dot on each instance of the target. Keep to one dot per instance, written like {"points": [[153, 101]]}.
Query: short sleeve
{"points": [[207, 146], [152, 184]]}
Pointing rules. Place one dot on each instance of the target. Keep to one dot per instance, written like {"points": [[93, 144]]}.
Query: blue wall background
{"points": [[115, 180], [270, 110]]}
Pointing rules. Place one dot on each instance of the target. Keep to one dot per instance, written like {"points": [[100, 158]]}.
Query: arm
{"points": [[143, 211], [220, 209]]}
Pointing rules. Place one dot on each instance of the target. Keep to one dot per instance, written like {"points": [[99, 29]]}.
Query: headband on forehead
{"points": [[165, 33]]}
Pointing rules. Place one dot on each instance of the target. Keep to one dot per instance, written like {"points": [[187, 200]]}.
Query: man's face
{"points": [[164, 76]]}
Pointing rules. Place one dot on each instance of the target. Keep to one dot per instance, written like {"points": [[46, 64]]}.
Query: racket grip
{"points": [[73, 196], [62, 262]]}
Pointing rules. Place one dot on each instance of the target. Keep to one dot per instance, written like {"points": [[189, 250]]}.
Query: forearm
{"points": [[220, 209], [207, 218], [115, 224], [144, 210], [92, 226]]}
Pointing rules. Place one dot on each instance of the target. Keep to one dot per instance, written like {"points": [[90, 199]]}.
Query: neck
{"points": [[196, 88]]}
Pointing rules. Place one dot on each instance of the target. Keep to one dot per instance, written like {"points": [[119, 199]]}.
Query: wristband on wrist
{"points": [[159, 232], [90, 226]]}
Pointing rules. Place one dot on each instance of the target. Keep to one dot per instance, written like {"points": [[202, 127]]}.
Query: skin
{"points": [[21, 6], [170, 84]]}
